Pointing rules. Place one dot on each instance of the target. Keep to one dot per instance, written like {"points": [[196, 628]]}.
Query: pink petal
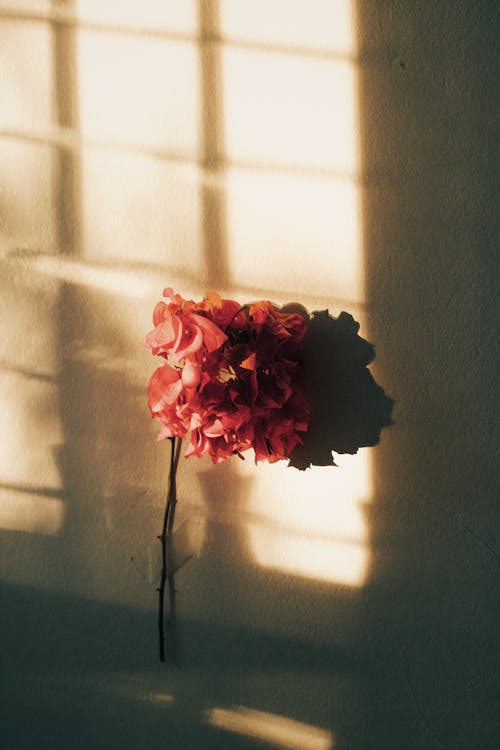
{"points": [[191, 374], [164, 387], [213, 337]]}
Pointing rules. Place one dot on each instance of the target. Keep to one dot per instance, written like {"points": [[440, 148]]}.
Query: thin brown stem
{"points": [[167, 526], [243, 307]]}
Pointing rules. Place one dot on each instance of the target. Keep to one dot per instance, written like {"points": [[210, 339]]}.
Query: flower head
{"points": [[236, 380]]}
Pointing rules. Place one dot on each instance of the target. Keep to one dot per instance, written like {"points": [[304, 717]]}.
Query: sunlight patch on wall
{"points": [[122, 685], [294, 224], [286, 162], [284, 110], [131, 686], [284, 228], [30, 428], [278, 731], [141, 209], [33, 513], [132, 284], [177, 16], [140, 93], [311, 523], [26, 195], [26, 73], [82, 273], [139, 90], [318, 25], [163, 698], [291, 143]]}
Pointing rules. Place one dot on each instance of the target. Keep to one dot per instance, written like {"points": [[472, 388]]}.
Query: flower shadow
{"points": [[348, 408]]}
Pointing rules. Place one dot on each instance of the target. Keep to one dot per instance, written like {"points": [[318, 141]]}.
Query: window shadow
{"points": [[213, 208], [95, 682], [426, 107]]}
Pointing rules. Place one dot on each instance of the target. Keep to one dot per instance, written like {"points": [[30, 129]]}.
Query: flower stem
{"points": [[243, 307], [167, 526]]}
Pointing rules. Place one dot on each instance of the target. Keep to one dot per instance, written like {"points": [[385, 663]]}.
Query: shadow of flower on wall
{"points": [[348, 408]]}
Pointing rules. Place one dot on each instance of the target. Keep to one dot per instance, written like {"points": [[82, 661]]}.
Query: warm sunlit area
{"points": [[253, 141], [293, 227], [188, 144], [277, 731], [317, 529]]}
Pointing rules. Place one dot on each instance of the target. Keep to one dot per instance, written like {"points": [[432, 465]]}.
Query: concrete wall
{"points": [[335, 153]]}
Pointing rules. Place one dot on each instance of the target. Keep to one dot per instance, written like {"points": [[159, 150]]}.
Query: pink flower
{"points": [[237, 382]]}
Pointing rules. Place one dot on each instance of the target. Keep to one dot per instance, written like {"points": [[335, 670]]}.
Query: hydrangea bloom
{"points": [[231, 376]]}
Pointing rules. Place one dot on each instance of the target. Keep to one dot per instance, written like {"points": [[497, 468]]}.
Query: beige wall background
{"points": [[332, 152]]}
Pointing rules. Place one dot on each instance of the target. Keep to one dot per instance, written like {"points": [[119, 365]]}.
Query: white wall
{"points": [[335, 153]]}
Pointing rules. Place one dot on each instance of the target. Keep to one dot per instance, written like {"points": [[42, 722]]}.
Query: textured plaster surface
{"points": [[97, 213]]}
